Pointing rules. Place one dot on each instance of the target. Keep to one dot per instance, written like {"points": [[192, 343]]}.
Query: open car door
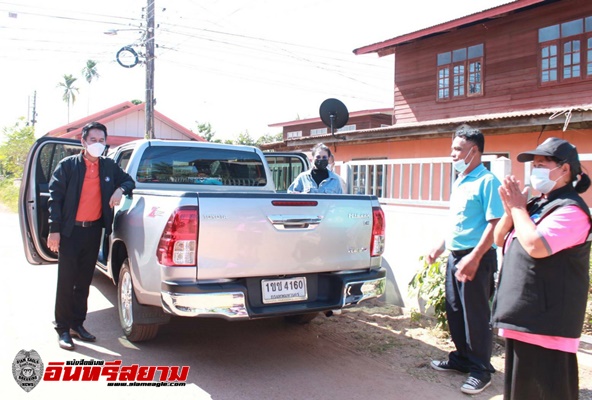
{"points": [[285, 167], [42, 160]]}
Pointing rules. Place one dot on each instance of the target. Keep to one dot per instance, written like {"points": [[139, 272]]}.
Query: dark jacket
{"points": [[65, 188], [545, 296]]}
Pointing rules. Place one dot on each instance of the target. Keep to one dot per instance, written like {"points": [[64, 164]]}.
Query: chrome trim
{"points": [[288, 222], [356, 292], [350, 271], [217, 281], [228, 305]]}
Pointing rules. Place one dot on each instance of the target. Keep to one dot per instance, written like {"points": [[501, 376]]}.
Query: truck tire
{"points": [[130, 311], [301, 318]]}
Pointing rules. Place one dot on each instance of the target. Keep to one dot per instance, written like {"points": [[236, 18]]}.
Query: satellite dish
{"points": [[334, 114]]}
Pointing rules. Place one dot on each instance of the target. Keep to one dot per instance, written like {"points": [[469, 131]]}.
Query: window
{"points": [[347, 128], [318, 131], [284, 169], [366, 178], [200, 166], [460, 73], [124, 158], [294, 134], [565, 51]]}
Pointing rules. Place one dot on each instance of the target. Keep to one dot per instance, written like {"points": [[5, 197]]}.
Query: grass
{"points": [[9, 194]]}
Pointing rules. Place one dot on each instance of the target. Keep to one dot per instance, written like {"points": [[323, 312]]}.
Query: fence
{"points": [[415, 195], [409, 181]]}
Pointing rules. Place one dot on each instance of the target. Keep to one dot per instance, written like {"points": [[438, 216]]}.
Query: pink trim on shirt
{"points": [[565, 227], [568, 345]]}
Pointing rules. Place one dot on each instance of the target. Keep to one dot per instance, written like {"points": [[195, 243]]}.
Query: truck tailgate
{"points": [[247, 235]]}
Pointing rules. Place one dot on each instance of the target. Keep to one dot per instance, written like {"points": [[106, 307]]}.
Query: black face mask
{"points": [[321, 164]]}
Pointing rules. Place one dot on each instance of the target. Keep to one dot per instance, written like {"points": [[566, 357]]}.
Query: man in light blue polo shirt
{"points": [[475, 208]]}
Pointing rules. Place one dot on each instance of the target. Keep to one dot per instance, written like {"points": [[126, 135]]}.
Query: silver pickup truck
{"points": [[207, 234]]}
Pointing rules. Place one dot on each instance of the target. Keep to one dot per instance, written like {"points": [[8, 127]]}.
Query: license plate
{"points": [[284, 290]]}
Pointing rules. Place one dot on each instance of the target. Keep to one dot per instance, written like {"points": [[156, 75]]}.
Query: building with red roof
{"points": [[126, 122]]}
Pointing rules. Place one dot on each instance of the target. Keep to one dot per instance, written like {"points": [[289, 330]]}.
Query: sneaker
{"points": [[444, 366], [474, 386]]}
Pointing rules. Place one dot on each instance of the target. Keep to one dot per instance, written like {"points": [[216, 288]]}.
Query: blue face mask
{"points": [[540, 181], [461, 165]]}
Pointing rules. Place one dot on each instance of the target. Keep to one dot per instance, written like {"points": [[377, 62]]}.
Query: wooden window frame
{"points": [[475, 61], [318, 131], [588, 53], [450, 79], [445, 81], [557, 69], [585, 55], [571, 54]]}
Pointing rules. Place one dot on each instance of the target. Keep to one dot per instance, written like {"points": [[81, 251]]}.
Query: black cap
{"points": [[554, 147]]}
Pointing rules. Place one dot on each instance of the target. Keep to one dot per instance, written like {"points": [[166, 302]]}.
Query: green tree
{"points": [[18, 139], [245, 138], [70, 91], [278, 137], [205, 131], [89, 72]]}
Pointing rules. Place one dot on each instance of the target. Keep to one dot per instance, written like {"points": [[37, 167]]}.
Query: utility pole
{"points": [[33, 112], [149, 108]]}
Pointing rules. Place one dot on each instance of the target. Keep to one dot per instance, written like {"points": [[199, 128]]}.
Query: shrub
{"points": [[428, 284], [9, 194]]}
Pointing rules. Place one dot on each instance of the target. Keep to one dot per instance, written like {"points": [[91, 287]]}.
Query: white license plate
{"points": [[284, 290]]}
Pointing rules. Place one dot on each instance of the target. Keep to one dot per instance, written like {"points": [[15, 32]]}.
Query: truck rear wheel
{"points": [[301, 318], [130, 310]]}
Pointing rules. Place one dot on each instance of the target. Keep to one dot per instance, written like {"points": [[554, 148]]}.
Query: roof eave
{"points": [[388, 47]]}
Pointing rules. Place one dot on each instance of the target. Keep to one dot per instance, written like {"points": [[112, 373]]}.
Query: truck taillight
{"points": [[377, 244], [178, 243]]}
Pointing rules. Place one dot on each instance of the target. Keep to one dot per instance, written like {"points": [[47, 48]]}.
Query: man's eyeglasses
{"points": [[321, 158]]}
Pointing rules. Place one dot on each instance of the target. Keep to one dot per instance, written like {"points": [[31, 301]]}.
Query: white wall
{"points": [[411, 232]]}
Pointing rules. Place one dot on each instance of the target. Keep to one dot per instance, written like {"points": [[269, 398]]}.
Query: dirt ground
{"points": [[407, 342]]}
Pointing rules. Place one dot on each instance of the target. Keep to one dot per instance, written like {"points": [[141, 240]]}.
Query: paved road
{"points": [[265, 359]]}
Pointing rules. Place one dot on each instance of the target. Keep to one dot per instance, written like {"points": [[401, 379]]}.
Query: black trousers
{"points": [[533, 372], [77, 257], [468, 313]]}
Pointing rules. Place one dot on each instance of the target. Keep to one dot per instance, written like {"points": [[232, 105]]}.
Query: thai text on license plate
{"points": [[284, 290]]}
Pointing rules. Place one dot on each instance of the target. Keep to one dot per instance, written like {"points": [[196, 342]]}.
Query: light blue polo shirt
{"points": [[304, 183], [474, 201]]}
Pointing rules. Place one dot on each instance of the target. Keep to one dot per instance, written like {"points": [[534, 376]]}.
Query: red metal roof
{"points": [[388, 111], [74, 129], [562, 114], [388, 46]]}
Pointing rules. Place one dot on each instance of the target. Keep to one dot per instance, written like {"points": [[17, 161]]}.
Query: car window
{"points": [[201, 166], [284, 170], [50, 156], [124, 158]]}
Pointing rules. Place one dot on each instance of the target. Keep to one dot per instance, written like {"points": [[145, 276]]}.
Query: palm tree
{"points": [[69, 91], [90, 72]]}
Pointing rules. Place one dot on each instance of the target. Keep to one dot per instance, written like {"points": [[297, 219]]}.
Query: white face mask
{"points": [[540, 181], [461, 165], [95, 149]]}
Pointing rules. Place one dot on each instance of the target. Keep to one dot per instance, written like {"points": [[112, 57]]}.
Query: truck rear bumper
{"points": [[241, 299]]}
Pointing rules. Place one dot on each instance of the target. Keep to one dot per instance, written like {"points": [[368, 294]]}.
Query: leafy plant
{"points": [[428, 284], [9, 194], [17, 140]]}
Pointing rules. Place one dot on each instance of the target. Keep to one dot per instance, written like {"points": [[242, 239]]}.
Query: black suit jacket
{"points": [[65, 187]]}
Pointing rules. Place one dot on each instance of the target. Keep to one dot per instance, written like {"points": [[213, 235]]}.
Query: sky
{"points": [[239, 65]]}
